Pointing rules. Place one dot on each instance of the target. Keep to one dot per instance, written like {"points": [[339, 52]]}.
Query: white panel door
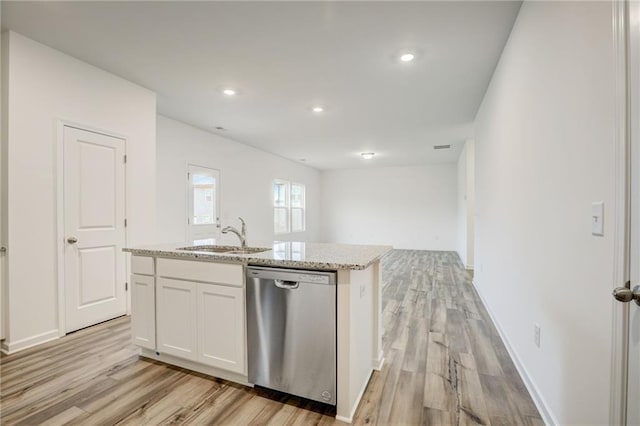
{"points": [[633, 383], [94, 209], [143, 312], [176, 317], [203, 204], [221, 329]]}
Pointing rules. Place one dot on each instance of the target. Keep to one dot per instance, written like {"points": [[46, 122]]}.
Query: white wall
{"points": [[42, 87], [544, 153], [466, 211], [407, 207], [246, 176]]}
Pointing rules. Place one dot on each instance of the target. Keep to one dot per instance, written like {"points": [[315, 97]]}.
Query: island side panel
{"points": [[356, 336], [378, 355]]}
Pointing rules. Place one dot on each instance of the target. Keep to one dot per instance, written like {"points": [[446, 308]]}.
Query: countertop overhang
{"points": [[281, 254]]}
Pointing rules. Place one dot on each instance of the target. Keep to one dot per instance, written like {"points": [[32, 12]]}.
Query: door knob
{"points": [[72, 240], [626, 294]]}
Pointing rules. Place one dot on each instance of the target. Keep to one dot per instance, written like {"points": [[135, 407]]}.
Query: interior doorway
{"points": [[93, 201]]}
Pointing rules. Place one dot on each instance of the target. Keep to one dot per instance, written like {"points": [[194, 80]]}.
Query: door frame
{"points": [[59, 216], [621, 211]]}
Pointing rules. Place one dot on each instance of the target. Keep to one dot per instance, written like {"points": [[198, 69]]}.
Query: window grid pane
{"points": [[203, 200], [280, 194], [297, 195], [280, 220], [297, 219]]}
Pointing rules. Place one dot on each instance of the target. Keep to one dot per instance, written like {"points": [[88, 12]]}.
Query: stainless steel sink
{"points": [[225, 249], [213, 249], [248, 250]]}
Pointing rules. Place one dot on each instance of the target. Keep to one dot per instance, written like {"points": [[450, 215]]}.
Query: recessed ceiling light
{"points": [[317, 109], [407, 57], [368, 155], [229, 92]]}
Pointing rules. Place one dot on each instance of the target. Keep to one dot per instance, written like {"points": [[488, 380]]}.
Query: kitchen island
{"points": [[188, 307]]}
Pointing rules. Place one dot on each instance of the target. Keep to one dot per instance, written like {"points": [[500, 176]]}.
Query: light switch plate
{"points": [[597, 218]]}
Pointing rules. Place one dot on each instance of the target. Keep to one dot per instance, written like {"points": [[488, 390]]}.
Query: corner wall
{"points": [[42, 86], [246, 182], [544, 152], [407, 207], [466, 208]]}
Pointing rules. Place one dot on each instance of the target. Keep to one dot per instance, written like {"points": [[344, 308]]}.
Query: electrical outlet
{"points": [[597, 219], [536, 334]]}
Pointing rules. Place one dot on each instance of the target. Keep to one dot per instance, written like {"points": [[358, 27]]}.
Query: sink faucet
{"points": [[242, 234]]}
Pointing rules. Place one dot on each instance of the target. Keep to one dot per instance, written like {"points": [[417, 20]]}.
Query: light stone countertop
{"points": [[300, 255]]}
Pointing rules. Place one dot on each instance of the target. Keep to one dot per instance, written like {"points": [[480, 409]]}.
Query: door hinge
{"points": [[125, 159], [188, 221], [125, 223], [188, 176], [126, 286]]}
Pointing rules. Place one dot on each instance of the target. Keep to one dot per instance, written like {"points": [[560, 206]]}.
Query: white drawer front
{"points": [[222, 273], [142, 265]]}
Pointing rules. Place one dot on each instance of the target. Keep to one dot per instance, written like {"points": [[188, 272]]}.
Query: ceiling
{"points": [[283, 58]]}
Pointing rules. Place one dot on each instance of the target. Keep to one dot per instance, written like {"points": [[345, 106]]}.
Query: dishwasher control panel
{"points": [[316, 279], [292, 275]]}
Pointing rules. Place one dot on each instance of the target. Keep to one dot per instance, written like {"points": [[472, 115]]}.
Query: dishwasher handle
{"points": [[286, 285]]}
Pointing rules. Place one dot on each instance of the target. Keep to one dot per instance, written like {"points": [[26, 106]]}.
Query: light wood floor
{"points": [[445, 364]]}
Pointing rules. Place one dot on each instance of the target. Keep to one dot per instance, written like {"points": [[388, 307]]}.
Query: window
{"points": [[288, 207], [203, 202]]}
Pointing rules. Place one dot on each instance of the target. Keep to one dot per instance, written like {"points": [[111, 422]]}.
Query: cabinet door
{"points": [[221, 329], [143, 311], [176, 316]]}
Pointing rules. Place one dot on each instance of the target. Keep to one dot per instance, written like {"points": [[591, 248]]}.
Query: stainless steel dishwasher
{"points": [[291, 331]]}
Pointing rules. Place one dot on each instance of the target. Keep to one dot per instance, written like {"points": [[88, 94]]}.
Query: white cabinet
{"points": [[143, 311], [176, 317], [221, 329], [200, 313]]}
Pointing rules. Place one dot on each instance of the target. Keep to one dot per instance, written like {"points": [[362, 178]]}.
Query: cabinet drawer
{"points": [[223, 273], [142, 265]]}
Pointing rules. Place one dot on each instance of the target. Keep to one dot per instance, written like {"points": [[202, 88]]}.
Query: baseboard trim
{"points": [[538, 400], [356, 404], [378, 363], [196, 366], [29, 342]]}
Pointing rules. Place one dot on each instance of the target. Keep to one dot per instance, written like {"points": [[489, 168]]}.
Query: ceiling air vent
{"points": [[441, 146]]}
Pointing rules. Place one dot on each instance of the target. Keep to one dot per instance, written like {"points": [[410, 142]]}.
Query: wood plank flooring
{"points": [[445, 365]]}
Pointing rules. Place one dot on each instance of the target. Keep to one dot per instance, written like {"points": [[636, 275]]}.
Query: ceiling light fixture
{"points": [[407, 57], [229, 92], [368, 155], [317, 109]]}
